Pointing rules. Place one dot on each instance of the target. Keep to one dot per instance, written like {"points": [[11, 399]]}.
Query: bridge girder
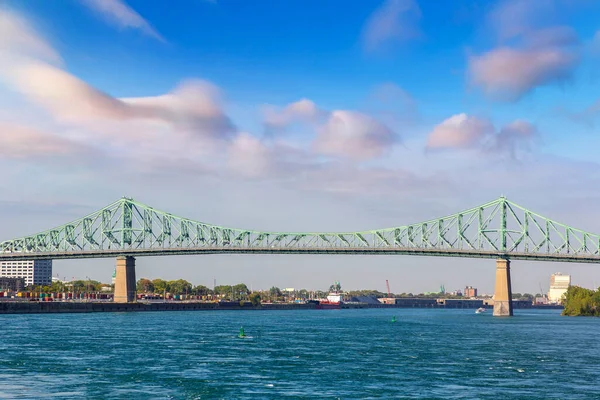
{"points": [[498, 229]]}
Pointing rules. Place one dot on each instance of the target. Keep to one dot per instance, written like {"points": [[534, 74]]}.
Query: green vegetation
{"points": [[582, 302], [255, 299], [78, 286], [524, 296], [180, 286]]}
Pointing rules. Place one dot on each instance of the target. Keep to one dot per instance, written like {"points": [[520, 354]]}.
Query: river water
{"points": [[345, 354]]}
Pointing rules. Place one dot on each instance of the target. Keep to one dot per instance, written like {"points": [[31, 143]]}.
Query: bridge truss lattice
{"points": [[498, 229]]}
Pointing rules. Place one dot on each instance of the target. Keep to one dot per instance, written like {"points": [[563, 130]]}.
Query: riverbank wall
{"points": [[25, 307], [90, 307]]}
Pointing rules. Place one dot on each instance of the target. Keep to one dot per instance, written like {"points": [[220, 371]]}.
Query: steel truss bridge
{"points": [[498, 229]]}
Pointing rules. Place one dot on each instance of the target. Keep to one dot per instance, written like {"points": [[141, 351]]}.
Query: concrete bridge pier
{"points": [[503, 292], [125, 280]]}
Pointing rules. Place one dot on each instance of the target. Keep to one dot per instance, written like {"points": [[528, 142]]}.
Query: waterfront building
{"points": [[470, 291], [559, 284], [34, 272], [11, 284]]}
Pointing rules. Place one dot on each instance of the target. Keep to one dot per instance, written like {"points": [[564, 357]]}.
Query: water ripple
{"points": [[346, 354]]}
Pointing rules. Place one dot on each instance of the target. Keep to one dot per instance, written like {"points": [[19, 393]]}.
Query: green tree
{"points": [[145, 286], [579, 301], [201, 290], [255, 299], [275, 293], [160, 285], [179, 286]]}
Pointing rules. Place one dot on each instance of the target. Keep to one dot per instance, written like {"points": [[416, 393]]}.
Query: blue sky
{"points": [[311, 115]]}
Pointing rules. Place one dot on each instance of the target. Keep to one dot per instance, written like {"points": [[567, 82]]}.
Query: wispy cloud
{"points": [[18, 39], [118, 13], [462, 131], [24, 142], [532, 51], [394, 20], [338, 133]]}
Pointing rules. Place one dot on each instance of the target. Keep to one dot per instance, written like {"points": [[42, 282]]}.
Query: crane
{"points": [[387, 283]]}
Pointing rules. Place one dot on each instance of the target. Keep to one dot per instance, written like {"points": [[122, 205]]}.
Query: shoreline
{"points": [[22, 307]]}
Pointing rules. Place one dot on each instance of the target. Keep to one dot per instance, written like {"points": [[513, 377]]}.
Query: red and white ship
{"points": [[333, 302]]}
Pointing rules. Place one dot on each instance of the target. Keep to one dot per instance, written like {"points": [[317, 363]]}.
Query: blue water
{"points": [[345, 354]]}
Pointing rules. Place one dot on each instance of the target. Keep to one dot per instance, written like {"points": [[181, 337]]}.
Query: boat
{"points": [[480, 310], [332, 302]]}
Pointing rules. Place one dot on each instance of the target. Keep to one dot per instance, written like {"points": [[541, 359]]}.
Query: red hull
{"points": [[325, 305]]}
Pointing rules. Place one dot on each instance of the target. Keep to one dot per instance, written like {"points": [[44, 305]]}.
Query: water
{"points": [[345, 354]]}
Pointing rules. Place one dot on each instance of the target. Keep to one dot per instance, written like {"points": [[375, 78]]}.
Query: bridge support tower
{"points": [[125, 280], [503, 293]]}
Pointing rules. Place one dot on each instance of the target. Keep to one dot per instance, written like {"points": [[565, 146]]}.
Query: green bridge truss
{"points": [[498, 229]]}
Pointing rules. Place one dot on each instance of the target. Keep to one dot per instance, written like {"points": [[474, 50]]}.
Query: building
{"points": [[11, 284], [559, 284], [470, 291], [34, 272]]}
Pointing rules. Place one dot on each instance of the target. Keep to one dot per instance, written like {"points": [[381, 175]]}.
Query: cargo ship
{"points": [[332, 302]]}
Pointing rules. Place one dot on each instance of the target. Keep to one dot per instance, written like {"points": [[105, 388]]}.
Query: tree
{"points": [[527, 296], [255, 298], [581, 302], [241, 289], [180, 286], [275, 293], [145, 286], [160, 285], [201, 290]]}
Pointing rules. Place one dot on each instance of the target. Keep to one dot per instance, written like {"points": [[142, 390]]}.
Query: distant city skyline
{"points": [[302, 116]]}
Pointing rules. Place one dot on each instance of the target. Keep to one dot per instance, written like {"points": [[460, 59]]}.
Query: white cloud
{"points": [[338, 133], [350, 134], [393, 20], [118, 13], [462, 131], [531, 54], [24, 142], [193, 106], [514, 18], [18, 39], [508, 74], [303, 110]]}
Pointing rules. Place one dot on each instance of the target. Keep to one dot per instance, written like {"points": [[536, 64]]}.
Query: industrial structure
{"points": [[559, 284], [500, 230], [11, 284], [34, 272], [470, 291]]}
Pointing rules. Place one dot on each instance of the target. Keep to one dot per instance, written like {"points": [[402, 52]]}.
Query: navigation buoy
{"points": [[394, 318], [242, 334]]}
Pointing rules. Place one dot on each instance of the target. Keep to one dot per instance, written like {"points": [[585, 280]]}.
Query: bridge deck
{"points": [[590, 259]]}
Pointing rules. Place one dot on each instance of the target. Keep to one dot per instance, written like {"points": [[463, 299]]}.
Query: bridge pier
{"points": [[503, 292], [125, 280]]}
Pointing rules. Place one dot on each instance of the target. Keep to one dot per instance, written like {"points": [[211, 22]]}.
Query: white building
{"points": [[559, 284], [38, 272]]}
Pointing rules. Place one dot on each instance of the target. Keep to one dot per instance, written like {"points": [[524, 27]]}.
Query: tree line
{"points": [[579, 301], [78, 286]]}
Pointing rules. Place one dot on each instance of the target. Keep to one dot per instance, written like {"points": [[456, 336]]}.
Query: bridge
{"points": [[126, 229]]}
